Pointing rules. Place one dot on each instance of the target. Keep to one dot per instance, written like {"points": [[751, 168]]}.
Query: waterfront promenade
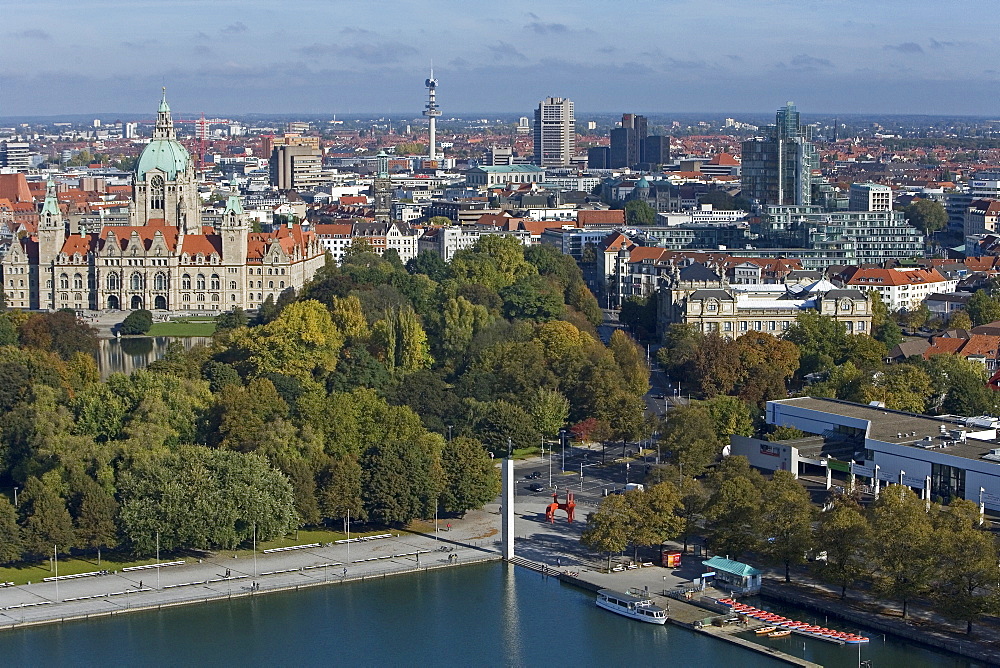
{"points": [[471, 540]]}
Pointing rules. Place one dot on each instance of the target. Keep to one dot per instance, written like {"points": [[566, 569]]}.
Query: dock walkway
{"points": [[682, 613]]}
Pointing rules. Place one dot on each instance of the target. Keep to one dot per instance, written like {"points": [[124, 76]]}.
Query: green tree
{"points": [[199, 498], [430, 264], [397, 482], [654, 513], [11, 542], [549, 410], [734, 510], [902, 387], [470, 478], [959, 386], [302, 342], [639, 212], [843, 533], [926, 215], [95, 514], [691, 439], [786, 520], [496, 421], [888, 333], [339, 488], [968, 571], [462, 320], [233, 319], [401, 341], [46, 520], [608, 527], [531, 297], [960, 320], [137, 322], [902, 551], [983, 308], [730, 416]]}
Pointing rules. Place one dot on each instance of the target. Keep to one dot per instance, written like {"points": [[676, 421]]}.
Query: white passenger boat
{"points": [[631, 606]]}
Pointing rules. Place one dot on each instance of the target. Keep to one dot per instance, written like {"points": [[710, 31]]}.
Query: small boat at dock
{"points": [[640, 608], [764, 630]]}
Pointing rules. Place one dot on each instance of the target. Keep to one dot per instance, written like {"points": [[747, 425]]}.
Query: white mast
{"points": [[432, 112]]}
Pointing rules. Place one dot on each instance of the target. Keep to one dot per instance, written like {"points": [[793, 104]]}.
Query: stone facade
{"points": [[166, 259]]}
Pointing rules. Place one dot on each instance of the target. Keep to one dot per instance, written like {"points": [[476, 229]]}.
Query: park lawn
{"points": [[174, 328], [35, 571], [26, 572]]}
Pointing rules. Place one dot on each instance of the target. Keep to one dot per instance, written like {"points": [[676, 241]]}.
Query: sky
{"points": [[371, 56]]}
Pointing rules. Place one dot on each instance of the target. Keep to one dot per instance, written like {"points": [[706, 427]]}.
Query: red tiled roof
{"points": [[600, 217], [867, 276], [724, 159], [15, 188]]}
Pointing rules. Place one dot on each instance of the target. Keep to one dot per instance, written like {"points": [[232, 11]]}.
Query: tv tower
{"points": [[432, 112]]}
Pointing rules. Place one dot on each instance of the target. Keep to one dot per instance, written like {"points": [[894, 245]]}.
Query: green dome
{"points": [[167, 155]]}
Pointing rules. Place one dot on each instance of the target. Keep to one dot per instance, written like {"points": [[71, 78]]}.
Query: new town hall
{"points": [[165, 259]]}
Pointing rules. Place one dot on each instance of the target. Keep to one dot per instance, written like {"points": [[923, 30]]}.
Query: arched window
{"points": [[77, 296], [270, 284], [215, 298], [215, 281], [232, 298], [160, 281], [185, 298], [186, 282], [281, 284], [232, 285], [260, 284], [64, 281], [200, 282], [200, 297], [137, 281], [156, 197], [77, 282], [114, 283], [64, 296]]}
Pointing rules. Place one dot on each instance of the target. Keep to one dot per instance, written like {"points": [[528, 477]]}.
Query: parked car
{"points": [[537, 487]]}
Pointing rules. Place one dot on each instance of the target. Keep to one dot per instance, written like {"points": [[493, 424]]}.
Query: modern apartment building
{"points": [[870, 197], [294, 167], [555, 132], [777, 167]]}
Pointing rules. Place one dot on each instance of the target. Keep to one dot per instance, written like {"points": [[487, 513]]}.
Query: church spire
{"points": [[51, 205], [164, 123]]}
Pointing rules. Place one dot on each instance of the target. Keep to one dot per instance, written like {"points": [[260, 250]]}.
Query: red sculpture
{"points": [[569, 506]]}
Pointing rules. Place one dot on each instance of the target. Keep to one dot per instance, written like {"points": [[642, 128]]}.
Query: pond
{"points": [[127, 354]]}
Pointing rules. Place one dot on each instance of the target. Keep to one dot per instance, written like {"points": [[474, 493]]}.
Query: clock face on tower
{"points": [[157, 182]]}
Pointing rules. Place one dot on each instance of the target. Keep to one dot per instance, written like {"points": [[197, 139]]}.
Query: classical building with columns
{"points": [[166, 259]]}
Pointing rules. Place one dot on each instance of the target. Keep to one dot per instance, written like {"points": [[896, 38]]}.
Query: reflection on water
{"points": [[127, 354]]}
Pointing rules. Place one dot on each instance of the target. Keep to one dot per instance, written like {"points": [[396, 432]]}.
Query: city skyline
{"points": [[340, 57]]}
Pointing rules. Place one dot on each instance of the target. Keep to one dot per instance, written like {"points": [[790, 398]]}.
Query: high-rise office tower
{"points": [[555, 132], [628, 141], [598, 157], [656, 150], [777, 168]]}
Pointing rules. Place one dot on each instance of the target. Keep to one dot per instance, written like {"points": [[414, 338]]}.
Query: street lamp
{"points": [[449, 433], [15, 496]]}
